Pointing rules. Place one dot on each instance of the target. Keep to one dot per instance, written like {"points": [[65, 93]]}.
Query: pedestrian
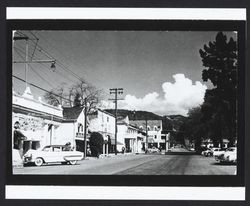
{"points": [[67, 146]]}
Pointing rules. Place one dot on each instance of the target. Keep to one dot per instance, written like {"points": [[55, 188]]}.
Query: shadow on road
{"points": [[180, 153], [29, 165], [224, 163]]}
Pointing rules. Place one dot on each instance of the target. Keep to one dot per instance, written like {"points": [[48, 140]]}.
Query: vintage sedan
{"points": [[52, 154], [153, 150], [229, 156]]}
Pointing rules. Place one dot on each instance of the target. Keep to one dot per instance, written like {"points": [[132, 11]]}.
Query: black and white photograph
{"points": [[124, 102], [111, 102]]}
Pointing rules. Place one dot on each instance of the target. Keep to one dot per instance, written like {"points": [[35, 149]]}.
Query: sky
{"points": [[159, 71]]}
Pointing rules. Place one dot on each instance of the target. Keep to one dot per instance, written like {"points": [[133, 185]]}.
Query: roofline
{"points": [[105, 112], [44, 114]]}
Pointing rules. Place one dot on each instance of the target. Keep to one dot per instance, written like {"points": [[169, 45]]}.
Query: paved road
{"points": [[176, 164]]}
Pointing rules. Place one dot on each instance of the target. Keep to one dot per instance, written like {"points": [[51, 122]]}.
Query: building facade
{"points": [[154, 131], [34, 123], [72, 128], [130, 136], [104, 123]]}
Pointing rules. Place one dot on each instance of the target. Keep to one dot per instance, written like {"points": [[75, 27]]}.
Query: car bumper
{"points": [[27, 160]]}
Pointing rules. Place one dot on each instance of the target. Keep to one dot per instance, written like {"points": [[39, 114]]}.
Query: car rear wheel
{"points": [[38, 162], [72, 162]]}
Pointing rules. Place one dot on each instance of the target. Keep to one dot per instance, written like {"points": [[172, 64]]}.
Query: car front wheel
{"points": [[73, 162], [38, 162]]}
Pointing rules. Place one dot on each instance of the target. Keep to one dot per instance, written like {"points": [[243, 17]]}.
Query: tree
{"points": [[96, 143], [74, 95], [58, 96], [219, 108], [82, 90]]}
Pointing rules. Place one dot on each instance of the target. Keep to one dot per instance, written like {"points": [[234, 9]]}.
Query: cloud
{"points": [[178, 97]]}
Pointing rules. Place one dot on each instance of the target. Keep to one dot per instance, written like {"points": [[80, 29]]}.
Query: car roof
{"points": [[55, 145]]}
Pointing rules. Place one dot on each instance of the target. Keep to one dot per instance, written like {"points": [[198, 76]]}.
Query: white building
{"points": [[130, 136], [154, 130], [104, 123], [72, 128], [34, 123]]}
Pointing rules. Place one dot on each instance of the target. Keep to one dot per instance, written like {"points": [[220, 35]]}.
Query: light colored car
{"points": [[52, 153], [153, 150], [206, 152], [230, 155], [218, 151]]}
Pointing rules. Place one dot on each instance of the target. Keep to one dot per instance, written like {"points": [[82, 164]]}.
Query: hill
{"points": [[169, 122]]}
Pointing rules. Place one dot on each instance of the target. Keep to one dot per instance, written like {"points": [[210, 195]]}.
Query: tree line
{"points": [[216, 118]]}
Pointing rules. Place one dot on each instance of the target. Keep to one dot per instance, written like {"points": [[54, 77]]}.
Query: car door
{"points": [[47, 153], [57, 154]]}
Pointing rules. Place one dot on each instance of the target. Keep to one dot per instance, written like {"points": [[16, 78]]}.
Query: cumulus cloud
{"points": [[178, 97]]}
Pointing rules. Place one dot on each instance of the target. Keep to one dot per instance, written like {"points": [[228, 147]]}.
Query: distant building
{"points": [[104, 123], [129, 135], [154, 128], [209, 143]]}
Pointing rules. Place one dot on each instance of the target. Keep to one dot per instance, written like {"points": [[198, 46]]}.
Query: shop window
{"points": [[148, 128], [80, 127], [155, 128]]}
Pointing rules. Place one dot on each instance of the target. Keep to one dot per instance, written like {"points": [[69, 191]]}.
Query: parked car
{"points": [[206, 152], [213, 151], [52, 153], [218, 151], [200, 150], [230, 155], [153, 150]]}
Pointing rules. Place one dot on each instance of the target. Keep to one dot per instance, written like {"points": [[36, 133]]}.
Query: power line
{"points": [[36, 72], [62, 65], [47, 54], [40, 88], [43, 65]]}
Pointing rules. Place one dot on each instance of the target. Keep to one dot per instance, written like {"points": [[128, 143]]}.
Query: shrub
{"points": [[96, 144]]}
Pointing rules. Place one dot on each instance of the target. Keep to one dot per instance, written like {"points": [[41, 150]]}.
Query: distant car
{"points": [[230, 155], [207, 152], [218, 151], [200, 150], [213, 151], [52, 153], [153, 150]]}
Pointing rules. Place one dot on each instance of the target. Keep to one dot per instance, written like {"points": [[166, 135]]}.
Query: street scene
{"points": [[174, 164], [124, 102]]}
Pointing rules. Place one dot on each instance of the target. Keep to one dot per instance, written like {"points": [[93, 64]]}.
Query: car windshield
{"points": [[231, 149], [47, 149]]}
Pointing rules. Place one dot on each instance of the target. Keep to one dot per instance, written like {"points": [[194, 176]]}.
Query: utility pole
{"points": [[27, 62], [116, 91], [85, 128], [146, 145]]}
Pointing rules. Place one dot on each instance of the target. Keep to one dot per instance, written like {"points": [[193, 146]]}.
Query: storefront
{"points": [[34, 123]]}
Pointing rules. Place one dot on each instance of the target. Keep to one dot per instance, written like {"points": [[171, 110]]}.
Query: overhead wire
{"points": [[50, 45], [58, 62], [43, 65], [36, 71], [38, 87]]}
